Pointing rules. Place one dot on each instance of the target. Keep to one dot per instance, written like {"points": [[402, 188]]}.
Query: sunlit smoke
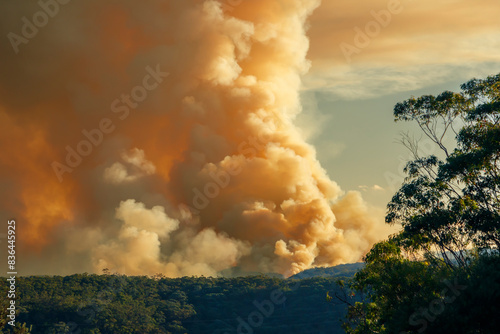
{"points": [[158, 137]]}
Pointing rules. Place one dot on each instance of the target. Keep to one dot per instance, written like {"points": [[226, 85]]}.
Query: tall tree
{"points": [[426, 278], [450, 201]]}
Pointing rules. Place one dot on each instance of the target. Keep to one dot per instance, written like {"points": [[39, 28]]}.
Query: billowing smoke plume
{"points": [[157, 137]]}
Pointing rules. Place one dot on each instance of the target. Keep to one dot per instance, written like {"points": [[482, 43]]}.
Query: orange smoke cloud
{"points": [[159, 137]]}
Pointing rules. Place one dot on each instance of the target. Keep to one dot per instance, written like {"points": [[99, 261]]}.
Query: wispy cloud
{"points": [[375, 187], [419, 46]]}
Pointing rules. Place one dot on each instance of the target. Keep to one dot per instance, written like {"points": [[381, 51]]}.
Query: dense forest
{"points": [[439, 274], [121, 304]]}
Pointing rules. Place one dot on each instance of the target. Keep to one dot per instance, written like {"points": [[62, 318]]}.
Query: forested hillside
{"points": [[342, 270], [119, 304]]}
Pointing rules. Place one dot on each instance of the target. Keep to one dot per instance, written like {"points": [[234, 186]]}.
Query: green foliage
{"points": [[102, 304], [441, 273], [451, 203]]}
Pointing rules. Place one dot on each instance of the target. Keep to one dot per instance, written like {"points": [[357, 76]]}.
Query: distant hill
{"points": [[342, 270]]}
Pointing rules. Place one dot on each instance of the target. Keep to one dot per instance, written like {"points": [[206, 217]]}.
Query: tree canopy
{"points": [[112, 303], [441, 273]]}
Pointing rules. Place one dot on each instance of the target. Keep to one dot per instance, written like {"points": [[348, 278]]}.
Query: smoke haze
{"points": [[158, 137]]}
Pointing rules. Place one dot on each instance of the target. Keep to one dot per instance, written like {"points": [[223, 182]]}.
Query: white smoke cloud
{"points": [[117, 173], [217, 135]]}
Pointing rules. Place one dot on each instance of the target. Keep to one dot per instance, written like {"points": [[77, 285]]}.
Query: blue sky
{"points": [[425, 48]]}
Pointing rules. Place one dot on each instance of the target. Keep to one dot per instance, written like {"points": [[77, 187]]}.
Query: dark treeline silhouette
{"points": [[441, 273]]}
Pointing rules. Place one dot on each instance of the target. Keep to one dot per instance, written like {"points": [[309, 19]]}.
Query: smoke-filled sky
{"points": [[191, 137]]}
